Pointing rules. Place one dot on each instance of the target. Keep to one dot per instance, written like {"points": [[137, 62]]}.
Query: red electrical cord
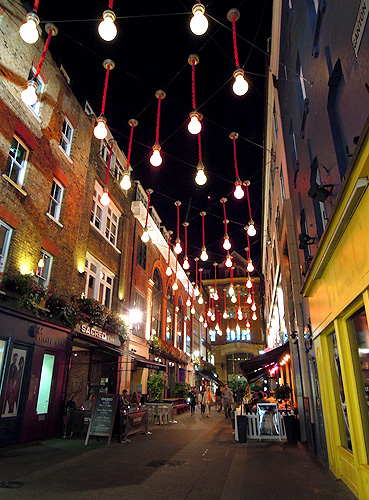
{"points": [[235, 41], [232, 276], [148, 206], [215, 277], [108, 169], [111, 4], [178, 204], [169, 249], [200, 154], [223, 200], [193, 84], [235, 157], [43, 54], [185, 226], [203, 228], [105, 89], [35, 7], [158, 119], [130, 144], [196, 260], [239, 297], [248, 198]]}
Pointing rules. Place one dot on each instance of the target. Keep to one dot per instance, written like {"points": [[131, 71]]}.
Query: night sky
{"points": [[151, 52]]}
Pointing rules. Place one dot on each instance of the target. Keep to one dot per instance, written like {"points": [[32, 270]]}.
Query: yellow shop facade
{"points": [[338, 289]]}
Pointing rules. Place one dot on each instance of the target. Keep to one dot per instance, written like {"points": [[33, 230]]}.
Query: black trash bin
{"points": [[290, 426], [242, 428]]}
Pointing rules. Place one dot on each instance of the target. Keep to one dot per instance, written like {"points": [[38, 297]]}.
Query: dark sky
{"points": [[150, 52]]}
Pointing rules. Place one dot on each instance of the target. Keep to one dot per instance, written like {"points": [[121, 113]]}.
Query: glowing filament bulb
{"points": [[186, 264], [100, 131], [216, 327], [251, 231], [200, 300], [201, 318], [238, 329], [145, 236], [209, 312], [125, 183], [194, 125], [156, 159], [248, 324], [254, 317], [240, 85], [168, 271], [238, 192], [253, 307], [175, 285], [200, 178], [216, 296], [228, 261], [249, 299], [250, 266], [233, 299], [231, 290], [225, 315], [29, 95], [249, 283], [199, 23], [204, 256], [178, 247], [105, 199], [205, 324], [188, 302], [196, 291], [226, 243], [228, 330], [193, 310], [28, 31], [107, 29], [212, 317]]}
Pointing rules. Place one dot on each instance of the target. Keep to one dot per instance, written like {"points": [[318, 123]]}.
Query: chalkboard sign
{"points": [[103, 416]]}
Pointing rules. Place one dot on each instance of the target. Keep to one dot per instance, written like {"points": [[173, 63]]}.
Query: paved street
{"points": [[197, 458]]}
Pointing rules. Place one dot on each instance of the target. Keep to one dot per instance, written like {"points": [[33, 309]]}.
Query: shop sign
{"points": [[48, 337], [97, 333], [359, 27]]}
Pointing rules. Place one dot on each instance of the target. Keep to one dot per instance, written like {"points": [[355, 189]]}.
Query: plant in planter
{"points": [[283, 392], [91, 311], [155, 384], [63, 308], [28, 294], [182, 389]]}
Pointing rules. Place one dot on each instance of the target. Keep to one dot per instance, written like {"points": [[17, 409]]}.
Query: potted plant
{"points": [[283, 392], [155, 385], [182, 390]]}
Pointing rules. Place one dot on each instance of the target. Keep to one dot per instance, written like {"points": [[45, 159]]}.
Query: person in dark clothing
{"points": [[193, 400]]}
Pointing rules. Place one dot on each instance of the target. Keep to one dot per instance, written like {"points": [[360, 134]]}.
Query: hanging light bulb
{"points": [[201, 318], [175, 285], [226, 243], [155, 159], [254, 317], [107, 29], [205, 324], [186, 264], [249, 299], [29, 95], [204, 256], [209, 312], [200, 178], [101, 131], [126, 183], [240, 316], [250, 266], [196, 291], [188, 302], [228, 330], [178, 247], [193, 310], [198, 24], [41, 263], [194, 125], [233, 299], [105, 198], [225, 315], [216, 327], [200, 300], [248, 324], [253, 307], [231, 290], [228, 261], [238, 329], [249, 283], [212, 317], [240, 85], [215, 295], [28, 31], [145, 235], [168, 271], [238, 192], [251, 231]]}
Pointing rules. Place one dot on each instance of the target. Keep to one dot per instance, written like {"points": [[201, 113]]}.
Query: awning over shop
{"points": [[142, 362], [259, 365], [210, 377]]}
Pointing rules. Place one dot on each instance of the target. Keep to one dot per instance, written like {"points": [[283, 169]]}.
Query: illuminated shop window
{"points": [[43, 398]]}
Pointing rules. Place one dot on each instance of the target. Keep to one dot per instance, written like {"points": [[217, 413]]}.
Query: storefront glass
{"points": [[170, 316], [359, 325], [157, 300], [337, 374], [45, 384]]}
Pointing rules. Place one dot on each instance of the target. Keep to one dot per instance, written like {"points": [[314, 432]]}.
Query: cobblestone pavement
{"points": [[195, 458]]}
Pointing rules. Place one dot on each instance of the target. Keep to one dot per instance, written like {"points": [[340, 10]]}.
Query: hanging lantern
{"points": [[199, 23], [156, 159], [107, 29], [29, 95], [240, 85]]}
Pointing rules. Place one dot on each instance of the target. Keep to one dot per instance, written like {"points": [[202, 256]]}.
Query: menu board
{"points": [[103, 416]]}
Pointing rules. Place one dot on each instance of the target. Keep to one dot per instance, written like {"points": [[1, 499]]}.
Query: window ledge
{"points": [[65, 154], [54, 220], [105, 238], [18, 188], [34, 114]]}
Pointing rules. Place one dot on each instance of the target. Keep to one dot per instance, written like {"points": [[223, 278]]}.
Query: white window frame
{"points": [[65, 141], [55, 200], [322, 208], [101, 279], [43, 273], [103, 218], [21, 166], [302, 83], [5, 248]]}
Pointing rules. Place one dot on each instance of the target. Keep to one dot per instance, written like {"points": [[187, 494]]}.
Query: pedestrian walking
{"points": [[193, 400], [227, 398], [208, 400], [218, 399], [201, 398]]}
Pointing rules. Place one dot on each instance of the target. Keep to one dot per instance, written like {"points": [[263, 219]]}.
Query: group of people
{"points": [[223, 398]]}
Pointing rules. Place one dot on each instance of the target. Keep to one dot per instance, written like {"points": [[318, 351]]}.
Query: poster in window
{"points": [[14, 383], [268, 419]]}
